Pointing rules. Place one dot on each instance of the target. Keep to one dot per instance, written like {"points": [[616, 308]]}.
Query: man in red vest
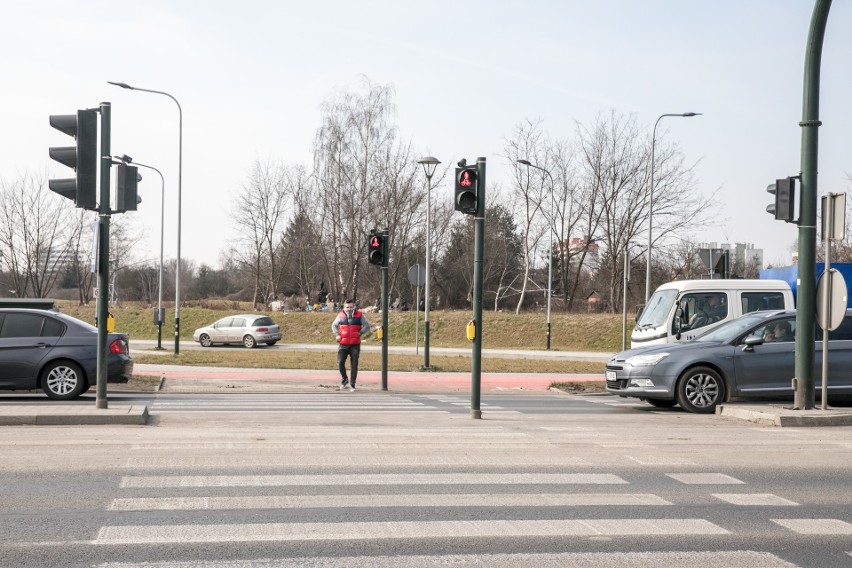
{"points": [[348, 328]]}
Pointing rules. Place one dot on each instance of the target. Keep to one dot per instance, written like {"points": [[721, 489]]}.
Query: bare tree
{"points": [[33, 236], [616, 163], [259, 213], [528, 190], [365, 179]]}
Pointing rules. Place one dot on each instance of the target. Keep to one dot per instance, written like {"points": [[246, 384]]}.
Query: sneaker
{"points": [[351, 388], [343, 386]]}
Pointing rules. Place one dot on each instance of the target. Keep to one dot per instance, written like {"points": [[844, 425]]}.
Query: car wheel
{"points": [[700, 389], [63, 380], [249, 342], [271, 343], [205, 340], [660, 402]]}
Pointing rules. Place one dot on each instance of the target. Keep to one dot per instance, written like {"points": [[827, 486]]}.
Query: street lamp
{"points": [[528, 164], [429, 165], [651, 198], [127, 160], [180, 175]]}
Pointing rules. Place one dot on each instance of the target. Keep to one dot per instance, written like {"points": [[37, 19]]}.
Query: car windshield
{"points": [[732, 329], [656, 312]]}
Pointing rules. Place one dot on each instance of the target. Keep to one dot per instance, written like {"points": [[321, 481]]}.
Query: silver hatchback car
{"points": [[248, 329]]}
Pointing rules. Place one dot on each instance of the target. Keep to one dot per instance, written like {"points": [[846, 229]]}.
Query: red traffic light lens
{"points": [[375, 243], [466, 178]]}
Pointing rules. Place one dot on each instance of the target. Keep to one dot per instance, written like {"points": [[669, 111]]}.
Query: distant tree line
{"points": [[301, 231]]}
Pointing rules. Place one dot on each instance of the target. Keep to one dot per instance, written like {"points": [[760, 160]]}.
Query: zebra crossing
{"points": [[306, 508], [331, 403]]}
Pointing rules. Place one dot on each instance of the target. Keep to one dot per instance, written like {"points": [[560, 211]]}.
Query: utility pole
{"points": [[806, 294]]}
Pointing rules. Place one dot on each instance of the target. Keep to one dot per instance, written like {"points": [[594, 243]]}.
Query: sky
{"points": [[251, 78]]}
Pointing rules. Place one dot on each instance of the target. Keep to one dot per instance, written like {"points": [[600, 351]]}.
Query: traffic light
{"points": [[376, 248], [83, 157], [784, 191], [466, 190], [126, 196]]}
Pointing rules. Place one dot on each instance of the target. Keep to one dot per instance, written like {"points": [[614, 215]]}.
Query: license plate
{"points": [[610, 375]]}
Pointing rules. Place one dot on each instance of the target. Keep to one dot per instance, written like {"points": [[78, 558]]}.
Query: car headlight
{"points": [[646, 360]]}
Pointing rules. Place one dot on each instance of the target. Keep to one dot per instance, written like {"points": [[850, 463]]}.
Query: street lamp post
{"points": [[651, 198], [127, 159], [429, 165], [180, 176], [550, 251]]}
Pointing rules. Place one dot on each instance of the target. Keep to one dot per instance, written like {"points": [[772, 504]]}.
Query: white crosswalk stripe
{"points": [[559, 560]]}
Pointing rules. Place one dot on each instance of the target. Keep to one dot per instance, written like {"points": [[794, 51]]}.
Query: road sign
{"points": [[417, 275], [836, 299]]}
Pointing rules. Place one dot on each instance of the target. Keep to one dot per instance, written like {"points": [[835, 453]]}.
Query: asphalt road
{"points": [[409, 479]]}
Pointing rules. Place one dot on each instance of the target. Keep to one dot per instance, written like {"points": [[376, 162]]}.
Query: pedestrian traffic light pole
{"points": [[103, 256], [478, 255], [803, 398], [386, 244]]}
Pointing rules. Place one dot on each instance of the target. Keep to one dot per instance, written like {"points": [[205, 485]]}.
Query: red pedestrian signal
{"points": [[376, 249], [466, 190]]}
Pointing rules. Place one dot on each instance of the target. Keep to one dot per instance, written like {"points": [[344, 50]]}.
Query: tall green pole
{"points": [[478, 255], [385, 334], [103, 257], [806, 294]]}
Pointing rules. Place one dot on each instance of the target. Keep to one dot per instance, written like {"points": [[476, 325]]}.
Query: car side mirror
{"points": [[677, 323], [750, 341]]}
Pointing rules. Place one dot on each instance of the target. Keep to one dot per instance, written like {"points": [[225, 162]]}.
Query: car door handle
{"points": [[42, 345]]}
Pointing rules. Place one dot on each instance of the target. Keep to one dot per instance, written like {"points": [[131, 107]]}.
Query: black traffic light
{"points": [[376, 248], [83, 157], [126, 196], [466, 190], [784, 191]]}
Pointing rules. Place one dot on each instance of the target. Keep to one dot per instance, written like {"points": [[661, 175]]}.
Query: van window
{"points": [[756, 301], [703, 308], [658, 308]]}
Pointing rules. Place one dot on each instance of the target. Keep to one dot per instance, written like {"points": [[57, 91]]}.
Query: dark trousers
{"points": [[353, 351]]}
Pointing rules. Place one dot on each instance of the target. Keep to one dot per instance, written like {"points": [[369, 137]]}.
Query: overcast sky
{"points": [[250, 77]]}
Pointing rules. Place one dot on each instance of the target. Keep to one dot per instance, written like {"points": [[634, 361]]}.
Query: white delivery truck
{"points": [[682, 310]]}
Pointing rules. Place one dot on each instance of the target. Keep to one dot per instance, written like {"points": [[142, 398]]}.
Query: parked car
{"points": [[753, 355], [248, 329], [57, 353]]}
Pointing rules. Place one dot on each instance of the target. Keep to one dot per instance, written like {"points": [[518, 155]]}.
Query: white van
{"points": [[682, 310]]}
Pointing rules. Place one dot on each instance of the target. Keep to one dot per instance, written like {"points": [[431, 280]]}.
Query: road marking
{"points": [[389, 458], [558, 560], [661, 460], [705, 478], [279, 532], [750, 499], [416, 500], [823, 527], [372, 479]]}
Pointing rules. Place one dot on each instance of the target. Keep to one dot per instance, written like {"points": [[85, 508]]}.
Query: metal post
{"points": [[624, 300], [180, 178], [806, 294], [826, 296], [478, 255], [104, 211], [385, 330], [429, 164], [651, 198]]}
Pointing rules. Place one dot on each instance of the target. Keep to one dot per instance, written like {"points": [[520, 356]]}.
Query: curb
{"points": [[785, 417]]}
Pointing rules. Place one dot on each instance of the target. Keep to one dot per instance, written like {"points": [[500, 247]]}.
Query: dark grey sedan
{"points": [[751, 356], [57, 353]]}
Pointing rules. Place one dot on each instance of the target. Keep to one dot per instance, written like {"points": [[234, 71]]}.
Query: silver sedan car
{"points": [[248, 329], [751, 356]]}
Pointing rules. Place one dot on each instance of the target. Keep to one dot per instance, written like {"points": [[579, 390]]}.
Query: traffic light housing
{"points": [[126, 195], [83, 157], [467, 190], [376, 252], [784, 191]]}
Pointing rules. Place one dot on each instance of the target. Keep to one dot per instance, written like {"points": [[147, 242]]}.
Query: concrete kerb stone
{"points": [[62, 415], [780, 416]]}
